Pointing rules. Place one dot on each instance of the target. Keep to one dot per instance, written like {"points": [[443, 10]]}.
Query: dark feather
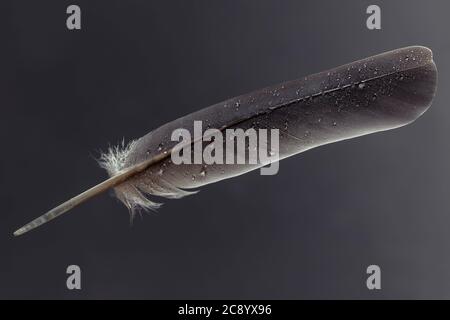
{"points": [[374, 94]]}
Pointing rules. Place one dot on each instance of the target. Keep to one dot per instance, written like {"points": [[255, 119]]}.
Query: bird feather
{"points": [[378, 93]]}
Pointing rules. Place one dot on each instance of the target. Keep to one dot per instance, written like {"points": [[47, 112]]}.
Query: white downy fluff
{"points": [[135, 192]]}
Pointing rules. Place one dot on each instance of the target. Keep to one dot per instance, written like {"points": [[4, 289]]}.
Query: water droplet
{"points": [[334, 124], [361, 85], [161, 171], [193, 177], [160, 146], [203, 172]]}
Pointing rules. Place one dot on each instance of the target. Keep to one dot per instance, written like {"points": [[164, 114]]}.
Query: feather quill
{"points": [[378, 93]]}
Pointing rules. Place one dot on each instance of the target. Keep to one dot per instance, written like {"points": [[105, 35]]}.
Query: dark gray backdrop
{"points": [[308, 232]]}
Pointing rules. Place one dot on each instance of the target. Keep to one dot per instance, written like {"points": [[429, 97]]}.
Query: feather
{"points": [[378, 93]]}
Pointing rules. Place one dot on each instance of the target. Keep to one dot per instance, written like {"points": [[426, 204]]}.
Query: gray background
{"points": [[308, 232]]}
